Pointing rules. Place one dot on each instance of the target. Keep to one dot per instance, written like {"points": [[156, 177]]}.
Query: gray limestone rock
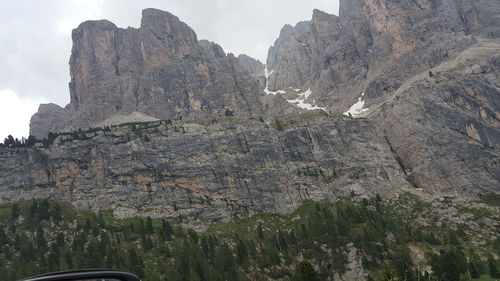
{"points": [[255, 67], [49, 118], [425, 73], [374, 47], [212, 169], [159, 69], [380, 56]]}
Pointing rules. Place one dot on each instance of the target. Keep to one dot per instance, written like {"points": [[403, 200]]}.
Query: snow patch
{"points": [[357, 108], [266, 89], [300, 101]]}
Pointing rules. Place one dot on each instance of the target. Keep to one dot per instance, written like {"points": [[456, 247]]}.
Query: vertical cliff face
{"points": [[316, 55], [424, 70], [159, 69], [255, 67], [209, 170], [374, 46]]}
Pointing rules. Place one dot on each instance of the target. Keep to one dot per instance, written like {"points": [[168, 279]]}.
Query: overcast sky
{"points": [[35, 40]]}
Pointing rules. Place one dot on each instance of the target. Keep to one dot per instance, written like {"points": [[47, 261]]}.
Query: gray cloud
{"points": [[36, 40]]}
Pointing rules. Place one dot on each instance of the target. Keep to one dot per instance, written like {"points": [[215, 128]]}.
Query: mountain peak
{"points": [[166, 26], [93, 26], [159, 69], [152, 15], [320, 15]]}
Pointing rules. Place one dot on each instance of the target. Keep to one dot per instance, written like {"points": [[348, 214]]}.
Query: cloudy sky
{"points": [[35, 40]]}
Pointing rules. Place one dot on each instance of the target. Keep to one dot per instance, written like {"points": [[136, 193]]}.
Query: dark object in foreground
{"points": [[87, 275]]}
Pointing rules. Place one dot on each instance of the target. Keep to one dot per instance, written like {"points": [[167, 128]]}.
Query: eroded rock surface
{"points": [[159, 69], [203, 170], [373, 47], [425, 71]]}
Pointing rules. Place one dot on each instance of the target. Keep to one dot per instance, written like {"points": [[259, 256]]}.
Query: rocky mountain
{"points": [[391, 110], [208, 170], [374, 47], [425, 71], [255, 67], [160, 70]]}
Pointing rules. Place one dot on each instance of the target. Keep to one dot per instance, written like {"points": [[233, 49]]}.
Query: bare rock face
{"points": [[254, 66], [445, 129], [48, 119], [209, 171], [373, 47], [425, 71], [159, 69], [316, 55]]}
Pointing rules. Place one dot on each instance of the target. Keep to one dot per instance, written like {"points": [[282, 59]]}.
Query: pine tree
{"points": [[53, 258], [34, 208], [149, 225], [14, 213], [388, 273], [56, 213], [465, 277], [43, 210], [449, 265], [40, 240], [492, 267], [496, 246], [241, 251], [4, 240], [60, 239], [260, 231], [167, 229], [305, 272]]}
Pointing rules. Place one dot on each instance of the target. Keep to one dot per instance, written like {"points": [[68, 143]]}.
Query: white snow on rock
{"points": [[300, 101], [266, 89], [357, 108]]}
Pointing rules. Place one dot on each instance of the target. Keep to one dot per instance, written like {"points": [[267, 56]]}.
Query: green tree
{"points": [[465, 277], [56, 213], [14, 213], [241, 251], [225, 263], [403, 263], [449, 265], [149, 225], [388, 273], [34, 208], [40, 240], [492, 267], [43, 210], [260, 232], [496, 246], [305, 272], [167, 229]]}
